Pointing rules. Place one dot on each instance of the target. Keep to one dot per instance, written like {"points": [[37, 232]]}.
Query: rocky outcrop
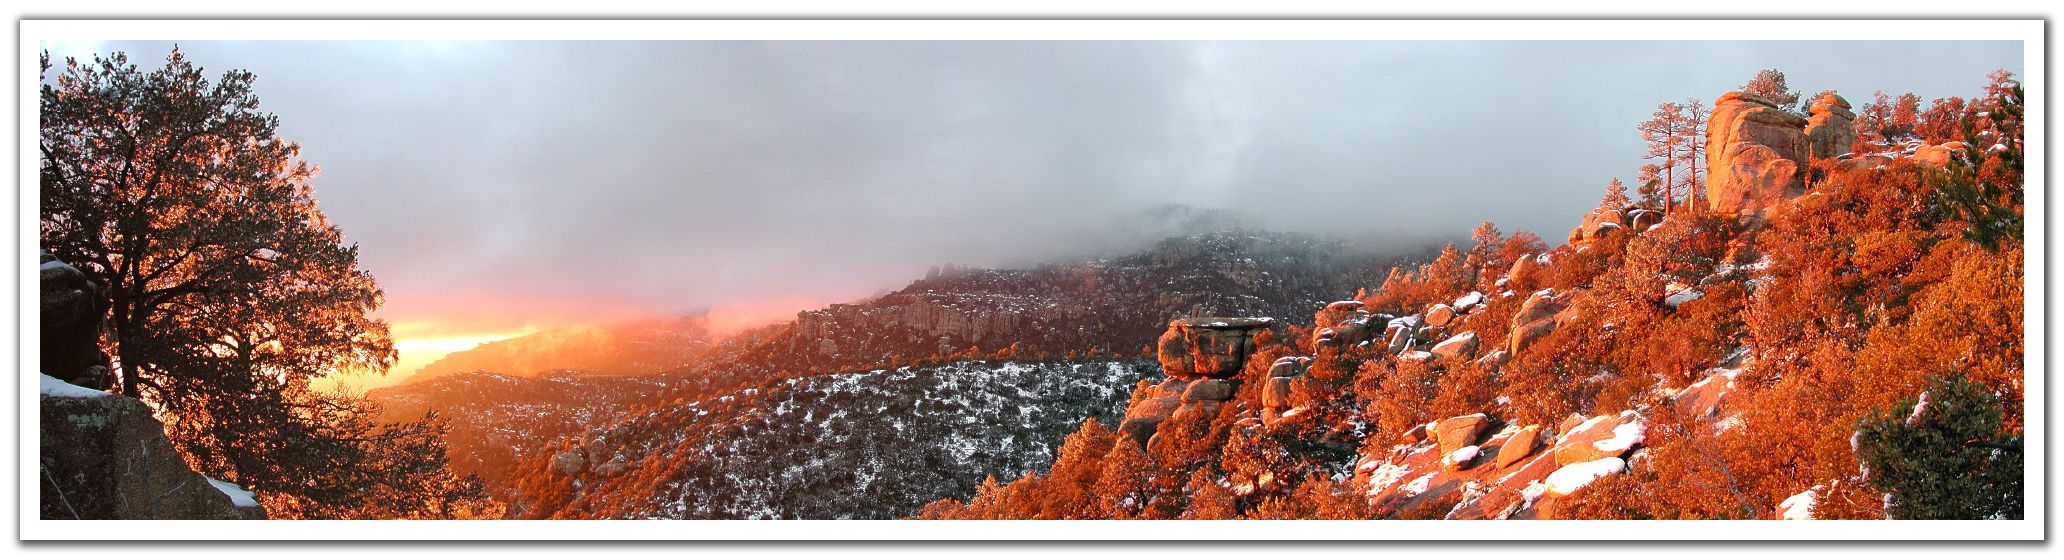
{"points": [[73, 307], [1208, 346], [1515, 473], [1275, 394], [104, 456], [1831, 130], [1199, 355], [1536, 318], [1939, 155], [1756, 154], [1599, 223]]}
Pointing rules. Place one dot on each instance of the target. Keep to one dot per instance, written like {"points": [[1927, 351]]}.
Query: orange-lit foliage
{"points": [[1838, 303]]}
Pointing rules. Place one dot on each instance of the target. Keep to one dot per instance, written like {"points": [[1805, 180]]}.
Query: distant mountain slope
{"points": [[1096, 310], [496, 419], [1111, 306], [871, 445], [634, 347]]}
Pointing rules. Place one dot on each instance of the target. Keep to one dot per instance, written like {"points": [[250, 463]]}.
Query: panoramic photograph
{"points": [[1029, 280]]}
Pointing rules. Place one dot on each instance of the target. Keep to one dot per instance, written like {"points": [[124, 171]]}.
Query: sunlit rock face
{"points": [[1200, 355], [1755, 154], [1831, 130], [1212, 347]]}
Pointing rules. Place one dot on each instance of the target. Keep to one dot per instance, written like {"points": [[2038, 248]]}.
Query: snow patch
{"points": [[1920, 407], [1462, 456], [1799, 506], [1418, 485], [238, 496], [1680, 298], [57, 388], [1573, 477]]}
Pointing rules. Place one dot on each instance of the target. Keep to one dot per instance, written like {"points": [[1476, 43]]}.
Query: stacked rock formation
{"points": [[1831, 130], [1275, 396], [1200, 356], [1756, 154]]}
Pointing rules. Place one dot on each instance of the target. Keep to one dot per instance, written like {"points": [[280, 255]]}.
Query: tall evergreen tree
{"points": [[1665, 134]]}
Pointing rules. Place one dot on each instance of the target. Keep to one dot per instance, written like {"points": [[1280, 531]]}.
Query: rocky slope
{"points": [[858, 445], [497, 419], [1740, 362]]}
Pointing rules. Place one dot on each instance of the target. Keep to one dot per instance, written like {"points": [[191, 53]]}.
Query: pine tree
{"points": [[1649, 186], [1693, 132], [1615, 196], [1665, 135], [1769, 83], [1943, 455]]}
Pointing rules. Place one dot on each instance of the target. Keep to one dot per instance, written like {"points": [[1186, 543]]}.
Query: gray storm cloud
{"points": [[511, 183]]}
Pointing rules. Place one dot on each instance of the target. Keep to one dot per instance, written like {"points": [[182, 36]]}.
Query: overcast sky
{"points": [[498, 185]]}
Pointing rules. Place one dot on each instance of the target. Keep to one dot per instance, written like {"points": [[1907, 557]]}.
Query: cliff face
{"points": [[104, 457]]}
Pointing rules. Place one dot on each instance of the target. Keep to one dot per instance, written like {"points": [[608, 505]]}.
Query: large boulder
{"points": [[73, 307], [1831, 129], [1460, 431], [1543, 304], [1519, 446], [1756, 154], [1440, 315], [104, 456], [1277, 393], [1208, 390], [1461, 346], [1601, 437], [1939, 155], [1208, 346]]}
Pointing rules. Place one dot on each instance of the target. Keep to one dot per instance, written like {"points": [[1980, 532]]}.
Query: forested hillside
{"points": [[1834, 331]]}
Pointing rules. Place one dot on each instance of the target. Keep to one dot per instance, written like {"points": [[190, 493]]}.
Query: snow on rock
{"points": [[1461, 457], [1799, 506], [1468, 301], [238, 496], [1629, 433], [1688, 295], [56, 388], [1418, 485], [1573, 477]]}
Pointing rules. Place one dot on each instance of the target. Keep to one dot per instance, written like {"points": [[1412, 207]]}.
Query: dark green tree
{"points": [[1943, 455]]}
